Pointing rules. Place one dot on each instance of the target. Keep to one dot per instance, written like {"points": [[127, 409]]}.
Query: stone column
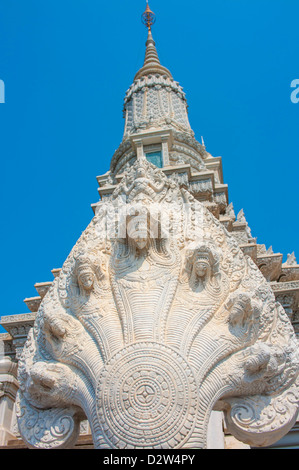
{"points": [[8, 391], [165, 151], [139, 147], [215, 438]]}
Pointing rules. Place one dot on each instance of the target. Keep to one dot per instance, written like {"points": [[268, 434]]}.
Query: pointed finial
{"points": [[148, 18], [151, 64]]}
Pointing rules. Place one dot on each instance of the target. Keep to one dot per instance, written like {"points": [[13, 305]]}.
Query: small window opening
{"points": [[155, 158]]}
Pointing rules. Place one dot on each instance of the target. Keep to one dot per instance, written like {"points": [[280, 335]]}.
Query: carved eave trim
{"points": [[42, 288], [239, 226], [202, 186], [184, 168], [221, 188], [265, 257], [289, 273], [95, 205], [270, 265], [56, 272], [212, 206], [18, 325], [250, 249], [290, 289], [33, 303], [285, 287], [215, 164], [287, 293], [153, 136], [7, 340], [203, 175], [107, 190], [101, 179], [227, 222]]}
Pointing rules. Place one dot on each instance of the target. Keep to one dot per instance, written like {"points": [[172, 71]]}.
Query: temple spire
{"points": [[154, 100], [148, 17], [151, 61], [151, 54]]}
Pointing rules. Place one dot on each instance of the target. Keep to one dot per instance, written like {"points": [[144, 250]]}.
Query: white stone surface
{"points": [[156, 319], [8, 390], [215, 436]]}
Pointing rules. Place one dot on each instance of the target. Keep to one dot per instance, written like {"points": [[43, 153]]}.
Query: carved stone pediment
{"points": [[156, 318], [289, 273]]}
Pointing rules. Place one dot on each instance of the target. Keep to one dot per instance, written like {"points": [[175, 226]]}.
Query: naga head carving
{"points": [[49, 384], [146, 335]]}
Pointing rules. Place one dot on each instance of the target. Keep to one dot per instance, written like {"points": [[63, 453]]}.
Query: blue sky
{"points": [[66, 66]]}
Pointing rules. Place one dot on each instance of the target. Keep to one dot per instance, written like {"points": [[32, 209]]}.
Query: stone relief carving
{"points": [[155, 100], [156, 319], [291, 260], [230, 211]]}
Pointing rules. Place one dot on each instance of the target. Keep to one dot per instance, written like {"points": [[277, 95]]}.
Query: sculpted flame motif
{"points": [[149, 329]]}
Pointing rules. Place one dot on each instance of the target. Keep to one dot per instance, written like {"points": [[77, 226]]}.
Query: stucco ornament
{"points": [[156, 319]]}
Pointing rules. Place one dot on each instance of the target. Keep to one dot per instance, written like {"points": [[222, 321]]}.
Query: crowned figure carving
{"points": [[156, 319]]}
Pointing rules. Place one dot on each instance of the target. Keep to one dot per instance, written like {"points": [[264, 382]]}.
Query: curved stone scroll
{"points": [[262, 420], [47, 429], [150, 327]]}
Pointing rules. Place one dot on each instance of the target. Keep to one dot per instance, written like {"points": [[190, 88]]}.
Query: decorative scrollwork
{"points": [[148, 328], [47, 429], [262, 420]]}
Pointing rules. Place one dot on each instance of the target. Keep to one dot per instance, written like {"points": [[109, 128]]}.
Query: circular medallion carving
{"points": [[147, 398]]}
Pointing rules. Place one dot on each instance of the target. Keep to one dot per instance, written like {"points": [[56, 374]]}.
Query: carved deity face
{"points": [[201, 266], [86, 279], [141, 241], [140, 173], [140, 238], [138, 232]]}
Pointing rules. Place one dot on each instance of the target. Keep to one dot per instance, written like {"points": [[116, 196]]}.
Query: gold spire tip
{"points": [[148, 18]]}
